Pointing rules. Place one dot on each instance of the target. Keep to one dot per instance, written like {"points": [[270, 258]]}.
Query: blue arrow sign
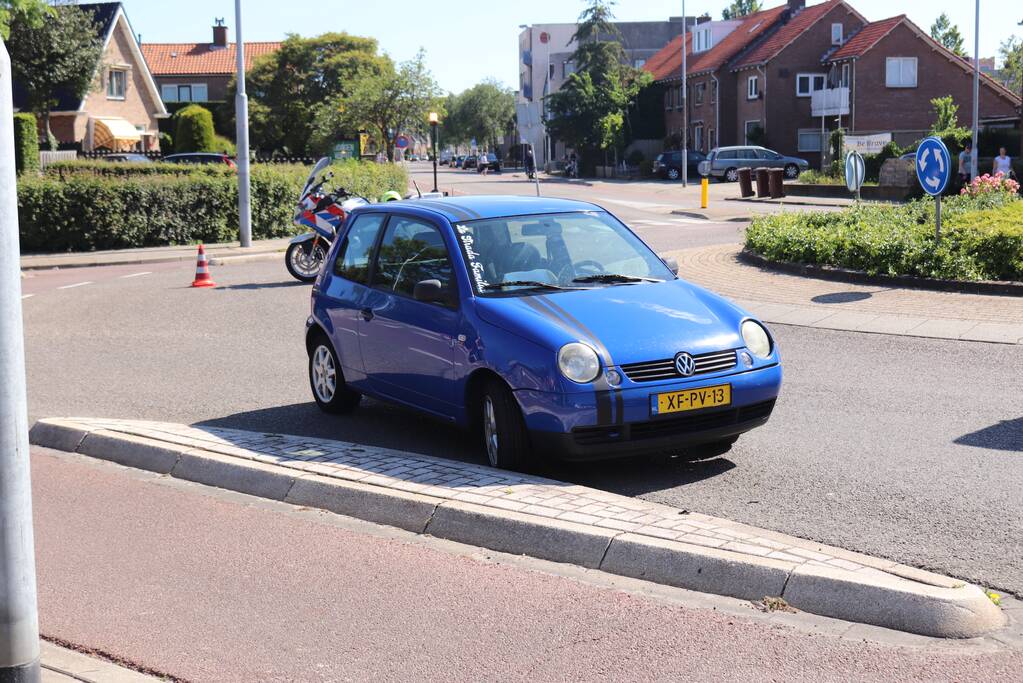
{"points": [[933, 165]]}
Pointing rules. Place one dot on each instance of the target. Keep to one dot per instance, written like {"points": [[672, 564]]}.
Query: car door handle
{"points": [[367, 314]]}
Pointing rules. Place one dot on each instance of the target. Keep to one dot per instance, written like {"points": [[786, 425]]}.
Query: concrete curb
{"points": [[862, 278], [894, 597], [83, 261]]}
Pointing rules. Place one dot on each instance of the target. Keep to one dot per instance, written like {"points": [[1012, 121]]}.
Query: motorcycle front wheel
{"points": [[304, 260]]}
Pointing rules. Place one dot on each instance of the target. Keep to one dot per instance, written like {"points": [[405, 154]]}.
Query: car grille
{"points": [[673, 426], [651, 371]]}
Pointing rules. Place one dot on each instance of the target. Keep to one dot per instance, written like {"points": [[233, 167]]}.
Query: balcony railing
{"points": [[830, 102]]}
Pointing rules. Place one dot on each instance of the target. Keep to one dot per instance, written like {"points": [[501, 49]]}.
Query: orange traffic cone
{"points": [[202, 271]]}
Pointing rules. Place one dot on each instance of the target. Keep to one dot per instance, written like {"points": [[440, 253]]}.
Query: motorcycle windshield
{"points": [[314, 175]]}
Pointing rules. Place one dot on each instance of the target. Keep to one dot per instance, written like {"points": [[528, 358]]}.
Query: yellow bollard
{"points": [[704, 185]]}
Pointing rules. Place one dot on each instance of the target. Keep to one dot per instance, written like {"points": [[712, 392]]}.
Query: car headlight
{"points": [[578, 362], [756, 339]]}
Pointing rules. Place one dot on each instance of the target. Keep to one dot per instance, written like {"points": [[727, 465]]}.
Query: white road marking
{"points": [[27, 296], [650, 224], [77, 284], [636, 205], [145, 272]]}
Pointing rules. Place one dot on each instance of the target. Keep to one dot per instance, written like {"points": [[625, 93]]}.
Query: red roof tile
{"points": [[166, 59], [668, 62], [787, 33], [866, 38]]}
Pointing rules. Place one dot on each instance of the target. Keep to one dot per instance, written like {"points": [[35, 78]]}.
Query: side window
{"points": [[411, 251], [352, 261]]}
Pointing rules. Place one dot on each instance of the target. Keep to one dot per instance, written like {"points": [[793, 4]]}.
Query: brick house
{"points": [[121, 111], [891, 70], [776, 81], [199, 72], [711, 46]]}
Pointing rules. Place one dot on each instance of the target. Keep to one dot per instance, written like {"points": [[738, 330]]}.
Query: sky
{"points": [[467, 41]]}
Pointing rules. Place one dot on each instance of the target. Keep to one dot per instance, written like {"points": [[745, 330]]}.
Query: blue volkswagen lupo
{"points": [[545, 324]]}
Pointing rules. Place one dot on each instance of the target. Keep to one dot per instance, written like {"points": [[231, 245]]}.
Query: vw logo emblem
{"points": [[685, 364]]}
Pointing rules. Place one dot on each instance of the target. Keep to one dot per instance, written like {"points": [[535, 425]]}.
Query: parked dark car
{"points": [[456, 162], [492, 162], [469, 162], [725, 162], [669, 164], [200, 158], [128, 158]]}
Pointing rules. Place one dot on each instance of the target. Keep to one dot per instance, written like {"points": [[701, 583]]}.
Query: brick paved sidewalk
{"points": [[504, 490], [812, 302]]}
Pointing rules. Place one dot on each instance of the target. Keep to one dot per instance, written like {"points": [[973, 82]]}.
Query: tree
{"points": [[947, 34], [54, 56], [591, 110], [193, 131], [485, 112], [946, 122], [1011, 54], [33, 12], [287, 87], [395, 101], [741, 8]]}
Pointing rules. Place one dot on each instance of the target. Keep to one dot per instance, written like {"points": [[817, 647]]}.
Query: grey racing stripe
{"points": [[600, 384], [619, 417]]}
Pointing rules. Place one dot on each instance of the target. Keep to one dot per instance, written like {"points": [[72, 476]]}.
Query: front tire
{"points": [[673, 174], [327, 381], [791, 171], [505, 438], [304, 260]]}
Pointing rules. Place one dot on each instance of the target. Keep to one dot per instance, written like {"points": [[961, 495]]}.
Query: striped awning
{"points": [[114, 133]]}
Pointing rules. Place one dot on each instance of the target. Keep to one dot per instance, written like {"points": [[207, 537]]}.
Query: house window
{"points": [[752, 88], [698, 91], [836, 34], [712, 138], [551, 72], [568, 68], [200, 93], [809, 140], [184, 93], [701, 40], [638, 63], [809, 83], [116, 82], [751, 130], [900, 72], [169, 93], [698, 136], [667, 98], [844, 83]]}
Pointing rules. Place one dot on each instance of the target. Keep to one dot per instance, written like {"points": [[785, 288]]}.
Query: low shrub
{"points": [[813, 177], [224, 146], [987, 183], [26, 143], [102, 205], [982, 238], [193, 131]]}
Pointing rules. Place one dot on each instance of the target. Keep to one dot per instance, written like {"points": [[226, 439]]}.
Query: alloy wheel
{"points": [[490, 430], [324, 374], [731, 175]]}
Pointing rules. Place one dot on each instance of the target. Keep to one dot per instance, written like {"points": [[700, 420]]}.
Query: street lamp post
{"points": [[434, 120], [19, 620], [685, 103], [976, 91], [241, 111]]}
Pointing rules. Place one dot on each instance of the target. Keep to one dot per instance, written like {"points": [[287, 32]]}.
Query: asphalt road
{"points": [[214, 586]]}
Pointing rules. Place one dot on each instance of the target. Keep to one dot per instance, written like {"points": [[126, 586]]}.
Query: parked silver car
{"points": [[725, 162]]}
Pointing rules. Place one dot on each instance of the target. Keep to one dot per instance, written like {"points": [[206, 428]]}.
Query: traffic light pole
{"points": [[19, 617]]}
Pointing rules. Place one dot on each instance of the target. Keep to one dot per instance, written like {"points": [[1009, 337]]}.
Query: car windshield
{"points": [[548, 251]]}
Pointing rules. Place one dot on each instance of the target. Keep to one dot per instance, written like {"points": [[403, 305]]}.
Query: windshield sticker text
{"points": [[467, 241]]}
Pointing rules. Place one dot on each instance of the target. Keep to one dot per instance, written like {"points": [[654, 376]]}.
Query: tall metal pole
{"points": [[241, 113], [19, 616], [976, 91], [685, 103], [433, 129]]}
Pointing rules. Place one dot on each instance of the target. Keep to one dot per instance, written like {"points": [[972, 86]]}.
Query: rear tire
{"points": [[505, 439], [673, 174], [327, 381], [732, 175]]}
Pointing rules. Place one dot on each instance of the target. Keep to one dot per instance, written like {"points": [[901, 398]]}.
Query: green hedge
{"points": [[26, 143], [193, 131], [88, 208], [982, 238], [68, 169]]}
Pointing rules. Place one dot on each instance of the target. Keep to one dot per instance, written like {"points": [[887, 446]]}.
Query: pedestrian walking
{"points": [[530, 164], [482, 163], [965, 157], [1003, 164]]}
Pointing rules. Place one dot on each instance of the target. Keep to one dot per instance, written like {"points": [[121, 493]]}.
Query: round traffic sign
{"points": [[855, 171], [933, 165], [402, 141]]}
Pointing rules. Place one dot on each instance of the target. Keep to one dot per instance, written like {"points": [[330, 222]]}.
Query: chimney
{"points": [[219, 34], [796, 6]]}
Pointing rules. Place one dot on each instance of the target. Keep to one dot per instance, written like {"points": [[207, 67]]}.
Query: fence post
{"points": [[19, 617]]}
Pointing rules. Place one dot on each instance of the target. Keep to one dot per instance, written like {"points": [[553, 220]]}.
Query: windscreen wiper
{"points": [[531, 284], [613, 278]]}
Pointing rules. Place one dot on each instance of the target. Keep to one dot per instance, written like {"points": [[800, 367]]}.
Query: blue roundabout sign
{"points": [[933, 165]]}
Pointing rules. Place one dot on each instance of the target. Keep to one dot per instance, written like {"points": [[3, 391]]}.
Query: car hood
{"points": [[634, 323]]}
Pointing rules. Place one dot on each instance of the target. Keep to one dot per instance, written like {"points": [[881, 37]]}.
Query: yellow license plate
{"points": [[691, 399]]}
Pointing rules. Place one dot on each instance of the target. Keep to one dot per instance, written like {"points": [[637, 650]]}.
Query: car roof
{"points": [[479, 207]]}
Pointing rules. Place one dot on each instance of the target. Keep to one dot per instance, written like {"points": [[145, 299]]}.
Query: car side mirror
{"points": [[429, 291], [671, 263]]}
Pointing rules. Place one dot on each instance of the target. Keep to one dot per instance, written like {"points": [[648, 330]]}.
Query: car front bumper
{"points": [[572, 426]]}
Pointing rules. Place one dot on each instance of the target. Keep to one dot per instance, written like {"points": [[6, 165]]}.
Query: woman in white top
{"points": [[1003, 164]]}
